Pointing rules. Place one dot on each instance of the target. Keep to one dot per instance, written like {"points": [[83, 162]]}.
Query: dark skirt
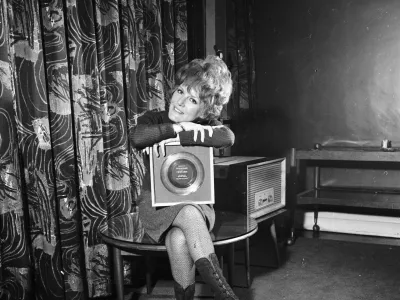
{"points": [[157, 220]]}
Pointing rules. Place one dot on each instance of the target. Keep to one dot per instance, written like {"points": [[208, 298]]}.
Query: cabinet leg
{"points": [[292, 195], [275, 241]]}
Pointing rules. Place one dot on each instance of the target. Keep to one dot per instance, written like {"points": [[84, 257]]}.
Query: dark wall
{"points": [[327, 72]]}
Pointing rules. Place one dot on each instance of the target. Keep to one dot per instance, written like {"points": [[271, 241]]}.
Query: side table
{"points": [[121, 233]]}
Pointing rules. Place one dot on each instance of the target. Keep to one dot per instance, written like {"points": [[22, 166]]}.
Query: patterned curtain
{"points": [[75, 74]]}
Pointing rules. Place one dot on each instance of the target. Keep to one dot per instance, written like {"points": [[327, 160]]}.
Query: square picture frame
{"points": [[183, 175]]}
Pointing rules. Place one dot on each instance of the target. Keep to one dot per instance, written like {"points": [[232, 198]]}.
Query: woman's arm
{"points": [[222, 137], [150, 129]]}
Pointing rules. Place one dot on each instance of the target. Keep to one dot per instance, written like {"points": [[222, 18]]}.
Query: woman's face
{"points": [[185, 106]]}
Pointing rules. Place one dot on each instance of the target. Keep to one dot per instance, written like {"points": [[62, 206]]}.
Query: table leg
{"points": [[118, 273], [316, 187], [149, 271], [247, 261], [231, 262]]}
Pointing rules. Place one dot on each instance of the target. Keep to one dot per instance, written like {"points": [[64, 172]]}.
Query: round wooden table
{"points": [[126, 233]]}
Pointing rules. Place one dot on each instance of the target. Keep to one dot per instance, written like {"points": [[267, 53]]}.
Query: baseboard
{"points": [[350, 223]]}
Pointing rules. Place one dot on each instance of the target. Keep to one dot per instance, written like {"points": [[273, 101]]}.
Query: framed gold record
{"points": [[182, 173], [185, 174]]}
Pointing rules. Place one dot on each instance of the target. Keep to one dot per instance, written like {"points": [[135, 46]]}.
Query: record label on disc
{"points": [[182, 173]]}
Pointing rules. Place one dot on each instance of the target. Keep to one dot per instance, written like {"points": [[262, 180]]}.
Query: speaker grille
{"points": [[266, 188]]}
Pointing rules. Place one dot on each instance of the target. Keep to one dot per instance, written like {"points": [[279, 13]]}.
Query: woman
{"points": [[202, 88]]}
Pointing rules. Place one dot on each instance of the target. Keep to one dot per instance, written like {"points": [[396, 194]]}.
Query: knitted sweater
{"points": [[154, 127]]}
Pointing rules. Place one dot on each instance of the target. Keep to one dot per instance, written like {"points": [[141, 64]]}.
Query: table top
{"points": [[373, 154], [126, 232]]}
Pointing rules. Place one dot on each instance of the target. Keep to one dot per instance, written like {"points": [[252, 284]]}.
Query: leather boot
{"points": [[184, 294], [211, 273]]}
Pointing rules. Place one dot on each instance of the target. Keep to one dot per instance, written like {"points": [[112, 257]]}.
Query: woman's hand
{"points": [[161, 146], [196, 128]]}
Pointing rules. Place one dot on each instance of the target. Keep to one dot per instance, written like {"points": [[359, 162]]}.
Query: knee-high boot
{"points": [[211, 273], [184, 294]]}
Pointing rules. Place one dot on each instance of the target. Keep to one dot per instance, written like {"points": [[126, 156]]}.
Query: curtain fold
{"points": [[75, 75], [240, 56]]}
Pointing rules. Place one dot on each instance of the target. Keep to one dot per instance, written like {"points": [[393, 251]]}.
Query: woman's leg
{"points": [[182, 265], [198, 240], [191, 221]]}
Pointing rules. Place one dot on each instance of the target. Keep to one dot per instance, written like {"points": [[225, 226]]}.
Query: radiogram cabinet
{"points": [[366, 197], [254, 186]]}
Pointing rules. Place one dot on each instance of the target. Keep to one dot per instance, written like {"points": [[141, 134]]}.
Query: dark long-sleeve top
{"points": [[153, 127]]}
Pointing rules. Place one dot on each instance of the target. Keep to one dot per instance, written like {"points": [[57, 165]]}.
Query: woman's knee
{"points": [[175, 239], [190, 213]]}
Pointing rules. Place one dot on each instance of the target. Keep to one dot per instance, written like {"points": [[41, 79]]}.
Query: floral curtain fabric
{"points": [[75, 74]]}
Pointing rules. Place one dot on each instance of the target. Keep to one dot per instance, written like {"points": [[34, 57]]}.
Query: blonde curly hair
{"points": [[211, 78]]}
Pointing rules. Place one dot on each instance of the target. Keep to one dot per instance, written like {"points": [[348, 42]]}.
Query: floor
{"points": [[331, 266]]}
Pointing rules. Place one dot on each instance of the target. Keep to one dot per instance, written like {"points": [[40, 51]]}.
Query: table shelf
{"points": [[372, 154], [350, 198]]}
